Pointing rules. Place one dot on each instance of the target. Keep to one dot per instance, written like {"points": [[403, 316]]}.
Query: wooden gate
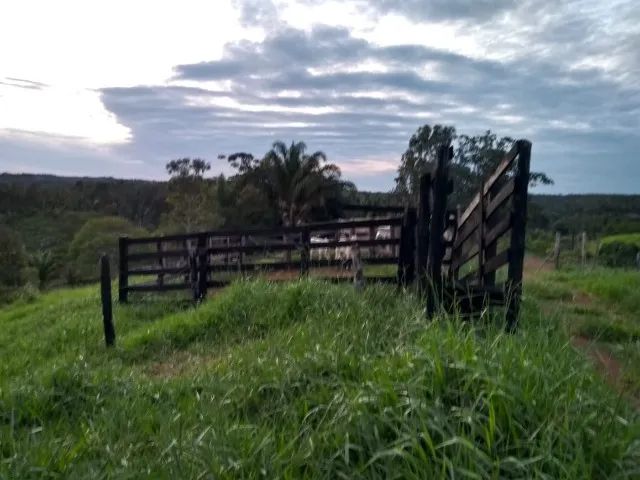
{"points": [[466, 251]]}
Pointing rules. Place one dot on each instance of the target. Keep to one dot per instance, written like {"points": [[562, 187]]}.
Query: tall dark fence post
{"points": [[518, 229], [203, 265], [123, 277], [105, 296], [441, 187], [161, 262], [422, 232], [407, 250], [305, 252]]}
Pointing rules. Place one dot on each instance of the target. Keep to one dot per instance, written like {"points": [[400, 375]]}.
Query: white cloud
{"points": [[74, 113]]}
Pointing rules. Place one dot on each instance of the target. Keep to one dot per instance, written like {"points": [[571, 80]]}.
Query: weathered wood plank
{"points": [[501, 197], [499, 229], [498, 172], [467, 230], [493, 264], [469, 251]]}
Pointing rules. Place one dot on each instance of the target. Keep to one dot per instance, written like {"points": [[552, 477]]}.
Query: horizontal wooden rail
{"points": [[502, 197], [382, 242], [499, 229], [159, 271], [374, 208], [469, 251], [340, 225], [154, 287], [276, 266], [493, 264], [467, 230], [134, 257]]}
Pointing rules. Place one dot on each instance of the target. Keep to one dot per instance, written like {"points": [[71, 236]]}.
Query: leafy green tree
{"points": [[477, 157], [474, 159], [420, 156], [13, 259], [98, 236], [45, 265], [242, 204], [192, 199], [294, 182]]}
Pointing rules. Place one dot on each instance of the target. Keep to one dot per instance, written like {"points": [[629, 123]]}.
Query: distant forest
{"points": [[43, 207], [52, 229]]}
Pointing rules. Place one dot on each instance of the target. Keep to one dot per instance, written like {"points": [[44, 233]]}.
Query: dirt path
{"points": [[607, 365], [535, 265]]}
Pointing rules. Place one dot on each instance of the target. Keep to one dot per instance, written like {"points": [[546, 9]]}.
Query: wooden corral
{"points": [[454, 257]]}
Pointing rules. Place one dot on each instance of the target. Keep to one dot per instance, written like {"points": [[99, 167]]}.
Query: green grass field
{"points": [[312, 380]]}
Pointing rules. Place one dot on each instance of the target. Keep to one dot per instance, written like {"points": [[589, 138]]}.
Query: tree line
{"points": [[53, 227]]}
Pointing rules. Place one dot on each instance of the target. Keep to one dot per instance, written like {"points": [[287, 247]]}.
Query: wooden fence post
{"points": [[422, 232], [518, 231], [161, 264], [583, 249], [407, 253], [441, 187], [556, 251], [105, 296], [305, 253], [123, 267], [203, 266]]}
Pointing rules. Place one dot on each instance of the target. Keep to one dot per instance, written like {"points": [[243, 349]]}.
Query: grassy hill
{"points": [[312, 380]]}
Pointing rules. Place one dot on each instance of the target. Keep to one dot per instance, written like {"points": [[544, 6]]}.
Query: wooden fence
{"points": [[456, 257], [204, 260]]}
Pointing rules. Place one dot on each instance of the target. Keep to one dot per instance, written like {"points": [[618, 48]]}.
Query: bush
{"points": [[619, 250], [13, 259], [97, 236]]}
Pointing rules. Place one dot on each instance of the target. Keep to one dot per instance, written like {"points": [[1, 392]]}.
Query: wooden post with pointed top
{"points": [[105, 297]]}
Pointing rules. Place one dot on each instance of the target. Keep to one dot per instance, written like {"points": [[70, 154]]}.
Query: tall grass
{"points": [[301, 380]]}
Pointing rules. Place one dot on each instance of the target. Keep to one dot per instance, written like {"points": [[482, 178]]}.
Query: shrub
{"points": [[619, 250], [97, 236]]}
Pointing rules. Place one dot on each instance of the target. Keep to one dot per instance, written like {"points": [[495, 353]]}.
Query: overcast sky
{"points": [[118, 88]]}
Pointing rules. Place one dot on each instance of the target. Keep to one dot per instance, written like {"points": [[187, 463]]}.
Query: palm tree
{"points": [[45, 265], [296, 182]]}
